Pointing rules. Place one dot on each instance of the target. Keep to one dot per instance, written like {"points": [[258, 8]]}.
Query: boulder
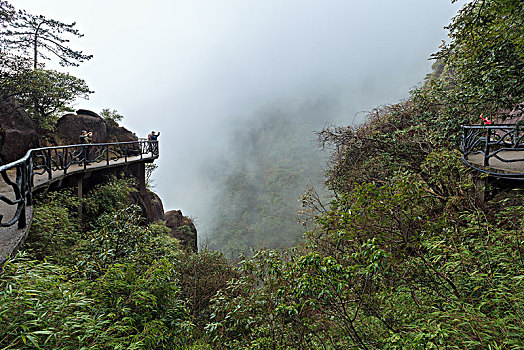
{"points": [[157, 207], [87, 112], [17, 132], [120, 134], [151, 204], [69, 127], [182, 228]]}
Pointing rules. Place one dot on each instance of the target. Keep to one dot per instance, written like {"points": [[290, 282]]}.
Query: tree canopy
{"points": [[486, 53], [41, 37], [6, 12], [24, 38], [47, 93]]}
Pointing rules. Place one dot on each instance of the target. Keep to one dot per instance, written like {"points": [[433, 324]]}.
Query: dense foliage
{"points": [[388, 270], [107, 281], [406, 256], [486, 54]]}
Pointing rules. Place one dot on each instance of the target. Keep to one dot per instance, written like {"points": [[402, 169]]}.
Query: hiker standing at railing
{"points": [[152, 137], [85, 139]]}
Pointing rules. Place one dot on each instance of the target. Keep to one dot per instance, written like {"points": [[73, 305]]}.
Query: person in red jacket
{"points": [[485, 121]]}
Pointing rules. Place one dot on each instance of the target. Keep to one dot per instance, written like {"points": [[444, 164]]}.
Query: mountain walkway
{"points": [[42, 168], [495, 149]]}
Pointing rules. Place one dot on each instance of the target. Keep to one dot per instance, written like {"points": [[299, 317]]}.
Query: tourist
{"points": [[85, 139], [153, 137]]}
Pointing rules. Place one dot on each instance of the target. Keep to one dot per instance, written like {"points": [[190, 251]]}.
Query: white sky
{"points": [[186, 68]]}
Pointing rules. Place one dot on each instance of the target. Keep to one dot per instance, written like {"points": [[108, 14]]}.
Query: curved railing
{"points": [[51, 161], [502, 144]]}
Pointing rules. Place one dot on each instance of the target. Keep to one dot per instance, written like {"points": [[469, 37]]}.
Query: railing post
{"points": [[486, 147], [31, 173], [107, 154], [515, 136], [84, 152], [30, 180], [48, 164], [20, 172], [22, 221], [154, 148], [65, 160]]}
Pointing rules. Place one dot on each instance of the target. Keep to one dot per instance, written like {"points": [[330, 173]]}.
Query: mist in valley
{"points": [[237, 89], [257, 183]]}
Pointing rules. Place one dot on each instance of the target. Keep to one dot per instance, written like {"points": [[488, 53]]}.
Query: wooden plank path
{"points": [[11, 238]]}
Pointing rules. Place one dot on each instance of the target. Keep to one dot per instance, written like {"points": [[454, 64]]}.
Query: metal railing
{"points": [[493, 141], [20, 175]]}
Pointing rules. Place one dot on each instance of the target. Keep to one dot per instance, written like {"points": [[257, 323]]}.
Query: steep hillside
{"points": [[406, 256]]}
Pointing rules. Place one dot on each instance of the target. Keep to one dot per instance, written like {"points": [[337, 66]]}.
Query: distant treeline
{"points": [[273, 158]]}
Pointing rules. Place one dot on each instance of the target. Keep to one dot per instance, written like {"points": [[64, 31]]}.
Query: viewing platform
{"points": [[42, 167], [495, 149]]}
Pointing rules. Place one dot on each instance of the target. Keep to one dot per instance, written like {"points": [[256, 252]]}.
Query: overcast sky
{"points": [[187, 68]]}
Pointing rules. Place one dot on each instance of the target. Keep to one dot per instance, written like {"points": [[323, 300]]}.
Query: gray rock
{"points": [[157, 207], [182, 228], [120, 134], [17, 132], [69, 127], [87, 112]]}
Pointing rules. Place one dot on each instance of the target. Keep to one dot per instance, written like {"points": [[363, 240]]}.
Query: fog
{"points": [[193, 70]]}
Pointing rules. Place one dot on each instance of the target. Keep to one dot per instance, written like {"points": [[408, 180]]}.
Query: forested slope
{"points": [[405, 256]]}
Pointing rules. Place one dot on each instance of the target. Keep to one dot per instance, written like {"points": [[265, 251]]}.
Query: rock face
{"points": [[157, 207], [69, 127], [516, 115], [120, 134], [182, 228], [151, 205], [87, 112], [17, 132]]}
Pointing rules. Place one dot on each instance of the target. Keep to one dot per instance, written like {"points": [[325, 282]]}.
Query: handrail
{"points": [[39, 161], [491, 140]]}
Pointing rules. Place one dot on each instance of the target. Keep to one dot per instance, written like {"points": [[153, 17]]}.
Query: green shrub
{"points": [[55, 228], [111, 195], [41, 309]]}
